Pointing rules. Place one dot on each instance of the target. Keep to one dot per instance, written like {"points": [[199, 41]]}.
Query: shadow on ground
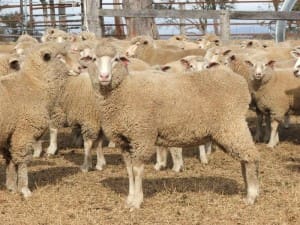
{"points": [[218, 185]]}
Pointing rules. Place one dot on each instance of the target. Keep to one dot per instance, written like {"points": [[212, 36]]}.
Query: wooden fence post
{"points": [[225, 25], [92, 18]]}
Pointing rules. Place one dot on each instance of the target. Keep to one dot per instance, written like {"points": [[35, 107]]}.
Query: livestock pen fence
{"points": [[33, 17]]}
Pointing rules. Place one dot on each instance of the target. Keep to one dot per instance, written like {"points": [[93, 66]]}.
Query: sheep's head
{"points": [[208, 41], [139, 43], [55, 35], [261, 69], [44, 61], [296, 54], [217, 55], [105, 66], [193, 63]]}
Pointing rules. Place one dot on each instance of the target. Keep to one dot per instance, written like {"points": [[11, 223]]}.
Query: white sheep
{"points": [[138, 113], [26, 99]]}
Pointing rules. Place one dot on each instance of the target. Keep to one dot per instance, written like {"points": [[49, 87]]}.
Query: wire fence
{"points": [[34, 16]]}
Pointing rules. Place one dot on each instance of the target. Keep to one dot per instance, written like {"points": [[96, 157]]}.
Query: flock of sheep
{"points": [[144, 95]]}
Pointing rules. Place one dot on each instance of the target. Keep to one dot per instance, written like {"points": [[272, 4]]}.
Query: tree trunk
{"points": [[140, 26]]}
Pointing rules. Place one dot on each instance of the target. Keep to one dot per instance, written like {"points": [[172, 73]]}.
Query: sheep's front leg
{"points": [[202, 154], [37, 149], [51, 150], [87, 162], [161, 158], [101, 162], [135, 172], [274, 138], [250, 175], [176, 154], [11, 176], [23, 180]]}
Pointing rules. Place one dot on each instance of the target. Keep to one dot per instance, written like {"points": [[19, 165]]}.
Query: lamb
{"points": [[25, 99], [144, 49], [279, 103], [78, 108], [137, 114]]}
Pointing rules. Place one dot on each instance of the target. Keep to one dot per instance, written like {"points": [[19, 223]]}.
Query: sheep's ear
{"points": [[249, 44], [124, 60], [87, 56], [165, 68], [295, 54], [212, 64], [14, 64], [46, 56], [249, 63], [227, 52], [271, 63], [232, 58], [185, 63]]}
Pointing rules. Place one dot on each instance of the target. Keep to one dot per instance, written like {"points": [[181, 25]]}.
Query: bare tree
{"points": [[140, 26]]}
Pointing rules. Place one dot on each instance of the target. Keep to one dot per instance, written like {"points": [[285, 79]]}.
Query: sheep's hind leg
{"points": [[161, 158], [23, 180], [37, 149], [87, 162], [51, 150], [250, 174], [176, 154], [235, 143], [202, 154], [11, 176]]}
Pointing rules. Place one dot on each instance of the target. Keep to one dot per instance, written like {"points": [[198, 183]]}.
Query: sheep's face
{"points": [[260, 69], [296, 54], [218, 56], [105, 66], [193, 65], [206, 44]]}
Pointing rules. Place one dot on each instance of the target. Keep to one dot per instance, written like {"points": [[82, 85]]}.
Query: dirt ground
{"points": [[211, 194]]}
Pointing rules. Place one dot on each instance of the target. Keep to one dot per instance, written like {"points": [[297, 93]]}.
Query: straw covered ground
{"points": [[210, 194]]}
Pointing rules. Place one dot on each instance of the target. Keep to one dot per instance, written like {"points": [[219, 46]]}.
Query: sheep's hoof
{"points": [[26, 192], [204, 161], [270, 146], [159, 166], [177, 169], [134, 202], [85, 168], [11, 188], [250, 200], [99, 167], [51, 151]]}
